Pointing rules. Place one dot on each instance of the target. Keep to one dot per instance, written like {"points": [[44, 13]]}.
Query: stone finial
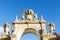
{"points": [[36, 16], [6, 25], [16, 17], [51, 27], [41, 17], [43, 25], [6, 28], [23, 17]]}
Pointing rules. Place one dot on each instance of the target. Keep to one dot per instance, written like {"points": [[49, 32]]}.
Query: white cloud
{"points": [[1, 30]]}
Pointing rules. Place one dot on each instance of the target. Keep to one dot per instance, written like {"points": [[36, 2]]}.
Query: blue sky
{"points": [[50, 9]]}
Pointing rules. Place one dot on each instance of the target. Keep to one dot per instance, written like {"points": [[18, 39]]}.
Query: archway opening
{"points": [[29, 36]]}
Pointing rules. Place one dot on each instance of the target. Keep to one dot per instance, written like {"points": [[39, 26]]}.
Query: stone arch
{"points": [[31, 30]]}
